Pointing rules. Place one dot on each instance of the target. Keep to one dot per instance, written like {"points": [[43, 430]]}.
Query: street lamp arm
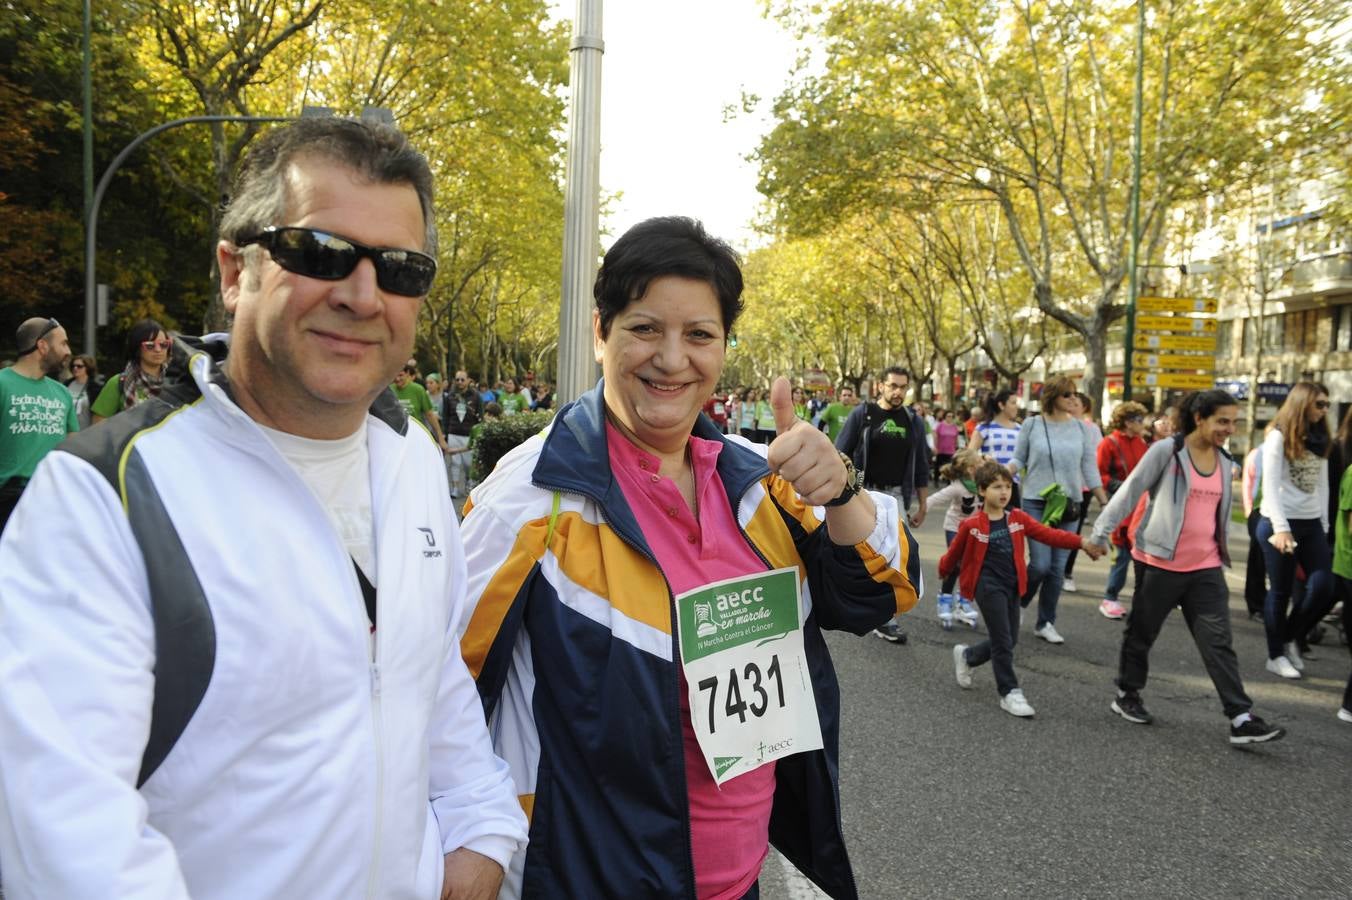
{"points": [[91, 226]]}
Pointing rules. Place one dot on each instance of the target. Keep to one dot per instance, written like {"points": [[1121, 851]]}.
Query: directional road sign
{"points": [[1180, 380], [1205, 343], [1176, 323], [1176, 304], [1172, 361]]}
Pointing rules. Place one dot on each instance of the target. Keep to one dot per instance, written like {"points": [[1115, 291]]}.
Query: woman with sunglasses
{"points": [[147, 355], [1293, 526], [84, 385]]}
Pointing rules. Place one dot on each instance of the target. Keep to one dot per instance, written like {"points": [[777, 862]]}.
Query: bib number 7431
{"points": [[751, 699], [734, 704]]}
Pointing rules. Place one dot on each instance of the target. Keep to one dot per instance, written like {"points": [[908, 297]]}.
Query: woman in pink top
{"points": [[630, 684], [945, 441], [1183, 484]]}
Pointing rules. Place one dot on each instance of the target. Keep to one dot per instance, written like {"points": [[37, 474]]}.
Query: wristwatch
{"points": [[854, 483]]}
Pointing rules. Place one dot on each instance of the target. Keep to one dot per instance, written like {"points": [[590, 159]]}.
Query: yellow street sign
{"points": [[1203, 342], [1175, 323], [1172, 361], [1180, 380], [1176, 304]]}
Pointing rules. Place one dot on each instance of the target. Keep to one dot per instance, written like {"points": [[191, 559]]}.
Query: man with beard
{"points": [[36, 412], [886, 441]]}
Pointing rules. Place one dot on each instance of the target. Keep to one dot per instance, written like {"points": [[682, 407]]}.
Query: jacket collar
{"points": [[575, 460], [205, 360]]}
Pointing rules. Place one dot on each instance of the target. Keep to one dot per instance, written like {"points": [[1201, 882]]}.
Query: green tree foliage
{"points": [[1028, 104], [477, 85], [147, 230]]}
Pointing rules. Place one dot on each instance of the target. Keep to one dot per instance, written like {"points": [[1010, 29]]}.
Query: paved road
{"points": [[946, 795]]}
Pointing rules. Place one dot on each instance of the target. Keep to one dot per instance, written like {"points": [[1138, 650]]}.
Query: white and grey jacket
{"points": [[310, 767], [1165, 473]]}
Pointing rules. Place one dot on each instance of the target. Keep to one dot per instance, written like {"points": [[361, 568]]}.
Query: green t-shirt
{"points": [[833, 417], [514, 403], [1342, 535], [109, 401], [35, 416], [413, 397]]}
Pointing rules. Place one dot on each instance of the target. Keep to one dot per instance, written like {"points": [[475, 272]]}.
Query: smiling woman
{"points": [[604, 539], [148, 347]]}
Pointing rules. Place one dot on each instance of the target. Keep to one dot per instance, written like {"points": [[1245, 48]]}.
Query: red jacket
{"points": [[969, 547], [1118, 455]]}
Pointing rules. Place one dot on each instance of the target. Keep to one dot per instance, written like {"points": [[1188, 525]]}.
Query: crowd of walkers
{"points": [[1168, 537], [273, 662]]}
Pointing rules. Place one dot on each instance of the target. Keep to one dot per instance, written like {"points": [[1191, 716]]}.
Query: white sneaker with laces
{"points": [[1049, 634], [1015, 704], [961, 670], [1345, 715], [1068, 586], [1282, 666], [1293, 656]]}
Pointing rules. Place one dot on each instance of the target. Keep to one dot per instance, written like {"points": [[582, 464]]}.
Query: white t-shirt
{"points": [[338, 473]]}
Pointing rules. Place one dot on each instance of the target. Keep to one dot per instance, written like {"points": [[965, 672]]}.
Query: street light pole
{"points": [[92, 218], [1135, 199], [581, 205], [88, 129]]}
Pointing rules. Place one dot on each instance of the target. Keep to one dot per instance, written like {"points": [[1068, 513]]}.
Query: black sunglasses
{"points": [[52, 325], [331, 257]]}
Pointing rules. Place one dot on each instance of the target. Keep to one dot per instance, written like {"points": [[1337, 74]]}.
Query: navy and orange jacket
{"points": [[969, 547], [571, 641]]}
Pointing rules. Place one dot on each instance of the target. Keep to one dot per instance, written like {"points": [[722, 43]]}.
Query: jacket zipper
{"points": [[373, 666], [676, 659]]}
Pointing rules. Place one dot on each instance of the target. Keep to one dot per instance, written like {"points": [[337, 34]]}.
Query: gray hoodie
{"points": [[1165, 472]]}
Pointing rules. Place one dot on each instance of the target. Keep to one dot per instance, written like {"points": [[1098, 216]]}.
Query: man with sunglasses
{"points": [[250, 685], [36, 412]]}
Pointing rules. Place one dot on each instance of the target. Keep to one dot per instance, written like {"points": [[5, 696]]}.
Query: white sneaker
{"points": [[1015, 704], [1282, 666], [1068, 586], [1049, 634], [1345, 715], [1293, 656], [961, 670]]}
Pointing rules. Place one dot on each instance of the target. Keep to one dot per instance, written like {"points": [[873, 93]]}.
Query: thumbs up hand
{"points": [[802, 455]]}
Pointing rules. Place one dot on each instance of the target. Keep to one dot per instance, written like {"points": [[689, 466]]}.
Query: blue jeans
{"points": [[952, 579], [1117, 575], [1046, 566], [1312, 552]]}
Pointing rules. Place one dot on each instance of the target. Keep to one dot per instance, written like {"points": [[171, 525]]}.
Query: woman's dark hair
{"points": [[994, 402], [144, 330], [1201, 405], [1053, 390], [91, 365], [990, 472], [670, 245]]}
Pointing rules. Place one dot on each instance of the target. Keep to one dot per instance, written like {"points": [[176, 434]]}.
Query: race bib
{"points": [[751, 698]]}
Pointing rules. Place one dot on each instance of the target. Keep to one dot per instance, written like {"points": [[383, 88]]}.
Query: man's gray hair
{"points": [[379, 153]]}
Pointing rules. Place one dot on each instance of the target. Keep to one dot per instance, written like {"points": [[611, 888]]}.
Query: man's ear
{"points": [[230, 260], [598, 342]]}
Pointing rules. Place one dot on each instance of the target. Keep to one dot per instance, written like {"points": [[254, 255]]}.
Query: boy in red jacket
{"points": [[991, 553]]}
